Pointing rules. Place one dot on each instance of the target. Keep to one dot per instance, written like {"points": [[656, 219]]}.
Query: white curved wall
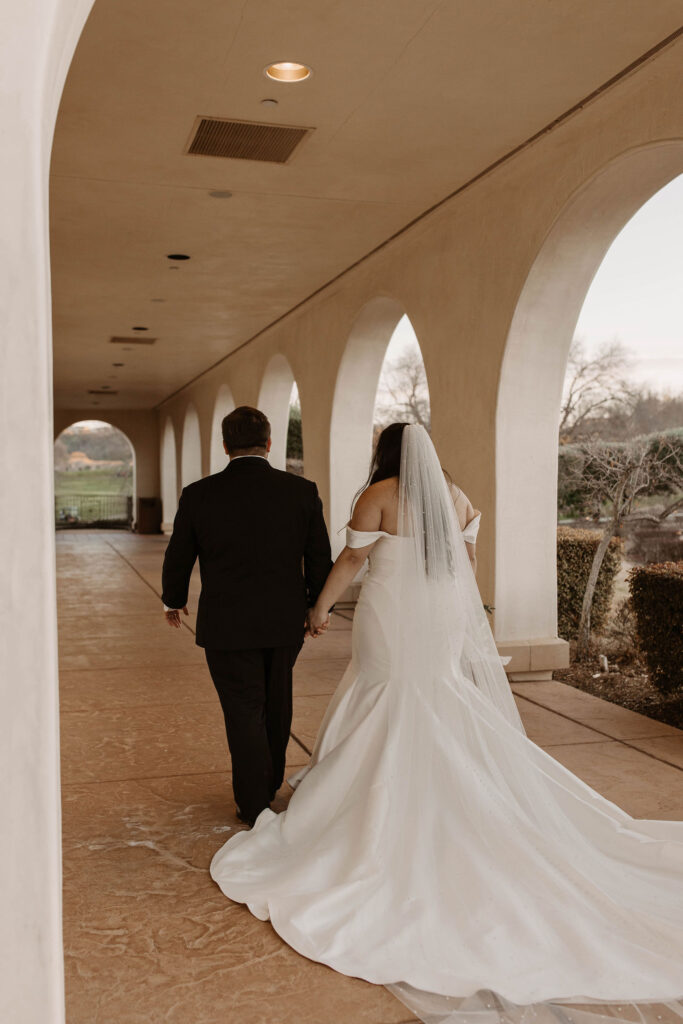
{"points": [[532, 378], [191, 448], [353, 407], [274, 399], [36, 45], [223, 405], [169, 476]]}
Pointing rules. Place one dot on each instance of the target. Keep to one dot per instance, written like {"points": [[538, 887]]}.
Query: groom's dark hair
{"points": [[245, 428]]}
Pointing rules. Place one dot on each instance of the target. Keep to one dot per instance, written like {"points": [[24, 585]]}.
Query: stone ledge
{"points": [[533, 659]]}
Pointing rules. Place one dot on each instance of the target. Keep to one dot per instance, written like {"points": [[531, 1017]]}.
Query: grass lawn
{"points": [[92, 481]]}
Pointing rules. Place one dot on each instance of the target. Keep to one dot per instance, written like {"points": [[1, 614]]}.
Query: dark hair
{"points": [[386, 458], [245, 427]]}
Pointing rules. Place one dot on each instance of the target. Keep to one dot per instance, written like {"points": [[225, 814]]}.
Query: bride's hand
{"points": [[317, 622]]}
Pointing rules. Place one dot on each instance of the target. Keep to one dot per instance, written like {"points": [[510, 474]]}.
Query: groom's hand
{"points": [[173, 617], [316, 623]]}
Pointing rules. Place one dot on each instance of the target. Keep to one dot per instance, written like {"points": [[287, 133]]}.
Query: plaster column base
{"points": [[167, 529], [533, 660]]}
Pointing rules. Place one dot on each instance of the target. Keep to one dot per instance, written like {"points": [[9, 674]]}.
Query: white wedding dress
{"points": [[430, 846]]}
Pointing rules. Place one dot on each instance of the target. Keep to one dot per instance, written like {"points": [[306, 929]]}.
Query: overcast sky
{"points": [[636, 295]]}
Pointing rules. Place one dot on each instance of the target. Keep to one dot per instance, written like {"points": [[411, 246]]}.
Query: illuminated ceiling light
{"points": [[268, 102], [287, 71]]}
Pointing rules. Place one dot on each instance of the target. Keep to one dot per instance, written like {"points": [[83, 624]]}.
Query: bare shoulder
{"points": [[463, 506], [372, 504]]}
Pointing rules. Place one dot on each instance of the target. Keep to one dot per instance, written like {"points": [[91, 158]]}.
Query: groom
{"points": [[264, 555]]}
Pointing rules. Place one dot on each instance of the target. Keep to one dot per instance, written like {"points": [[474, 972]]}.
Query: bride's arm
{"points": [[367, 516], [465, 512]]}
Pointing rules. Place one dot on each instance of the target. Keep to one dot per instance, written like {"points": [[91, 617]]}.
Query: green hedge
{"points": [[575, 551], [657, 596]]}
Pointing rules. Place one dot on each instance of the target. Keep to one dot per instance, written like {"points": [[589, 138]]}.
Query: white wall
{"points": [[191, 448], [274, 399], [169, 476], [223, 405], [37, 39]]}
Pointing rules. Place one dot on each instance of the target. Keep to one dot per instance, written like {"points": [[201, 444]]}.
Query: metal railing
{"points": [[73, 510]]}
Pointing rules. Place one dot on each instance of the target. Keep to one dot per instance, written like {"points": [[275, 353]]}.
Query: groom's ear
{"points": [[269, 445]]}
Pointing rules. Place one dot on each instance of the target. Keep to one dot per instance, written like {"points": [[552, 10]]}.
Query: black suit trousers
{"points": [[255, 690]]}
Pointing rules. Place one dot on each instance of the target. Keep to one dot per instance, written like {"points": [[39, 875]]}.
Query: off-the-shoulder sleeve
{"points": [[470, 532], [362, 538]]}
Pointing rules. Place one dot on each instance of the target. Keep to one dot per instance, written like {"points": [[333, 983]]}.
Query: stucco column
{"points": [[37, 39]]}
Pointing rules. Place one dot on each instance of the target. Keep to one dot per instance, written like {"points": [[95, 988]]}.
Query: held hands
{"points": [[317, 622], [173, 617]]}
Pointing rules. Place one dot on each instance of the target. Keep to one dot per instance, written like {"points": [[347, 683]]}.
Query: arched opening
{"points": [[275, 399], [402, 391], [191, 449], [169, 476], [354, 405], [295, 438], [223, 405], [94, 466], [532, 378]]}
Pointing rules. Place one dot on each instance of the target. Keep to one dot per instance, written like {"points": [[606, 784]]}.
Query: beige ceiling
{"points": [[409, 99]]}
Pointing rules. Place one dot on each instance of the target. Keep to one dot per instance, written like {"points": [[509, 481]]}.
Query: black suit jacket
{"points": [[264, 555]]}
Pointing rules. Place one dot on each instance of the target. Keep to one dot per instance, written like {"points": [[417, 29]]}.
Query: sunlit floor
{"points": [[147, 801]]}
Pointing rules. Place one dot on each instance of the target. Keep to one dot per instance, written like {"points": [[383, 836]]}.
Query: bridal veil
{"points": [[460, 745]]}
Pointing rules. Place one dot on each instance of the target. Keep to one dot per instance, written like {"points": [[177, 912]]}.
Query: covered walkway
{"points": [[147, 801]]}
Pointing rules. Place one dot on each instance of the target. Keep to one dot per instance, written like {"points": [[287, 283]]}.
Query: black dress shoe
{"points": [[243, 817]]}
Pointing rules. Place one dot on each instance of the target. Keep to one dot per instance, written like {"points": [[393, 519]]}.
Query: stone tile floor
{"points": [[147, 801]]}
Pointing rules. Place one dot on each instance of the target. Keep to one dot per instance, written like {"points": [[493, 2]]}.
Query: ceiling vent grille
{"points": [[101, 391], [137, 340], [245, 140]]}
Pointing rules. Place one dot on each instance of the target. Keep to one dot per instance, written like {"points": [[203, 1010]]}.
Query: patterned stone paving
{"points": [[147, 801]]}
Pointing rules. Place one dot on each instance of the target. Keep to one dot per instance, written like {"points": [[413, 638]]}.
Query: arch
{"points": [[532, 376], [224, 404], [86, 505], [274, 400], [354, 403], [191, 448], [169, 476]]}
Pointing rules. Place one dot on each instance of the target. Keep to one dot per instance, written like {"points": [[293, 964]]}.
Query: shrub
{"points": [[657, 596], [295, 442], [575, 551]]}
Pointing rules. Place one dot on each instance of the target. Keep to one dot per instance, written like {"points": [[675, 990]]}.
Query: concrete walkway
{"points": [[147, 801]]}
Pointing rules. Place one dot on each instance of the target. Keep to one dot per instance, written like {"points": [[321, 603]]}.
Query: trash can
{"points": [[149, 515]]}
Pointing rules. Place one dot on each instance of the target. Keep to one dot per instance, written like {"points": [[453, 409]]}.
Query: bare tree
{"points": [[594, 385], [617, 475], [403, 393]]}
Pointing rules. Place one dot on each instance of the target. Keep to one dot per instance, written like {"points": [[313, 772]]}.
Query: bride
{"points": [[429, 845]]}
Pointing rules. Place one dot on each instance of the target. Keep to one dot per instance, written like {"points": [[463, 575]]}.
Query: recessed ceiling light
{"points": [[177, 256], [287, 71], [139, 328], [120, 364], [268, 102], [157, 300], [220, 194]]}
